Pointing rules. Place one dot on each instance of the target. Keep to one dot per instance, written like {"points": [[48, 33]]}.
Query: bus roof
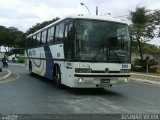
{"points": [[82, 16], [96, 17]]}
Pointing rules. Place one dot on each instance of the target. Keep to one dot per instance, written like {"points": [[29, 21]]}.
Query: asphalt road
{"points": [[36, 95]]}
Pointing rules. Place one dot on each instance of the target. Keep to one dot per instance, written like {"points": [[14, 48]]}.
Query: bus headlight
{"points": [[126, 80], [125, 70], [80, 80], [83, 70]]}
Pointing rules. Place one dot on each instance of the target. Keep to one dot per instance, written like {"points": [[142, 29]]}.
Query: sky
{"points": [[23, 14]]}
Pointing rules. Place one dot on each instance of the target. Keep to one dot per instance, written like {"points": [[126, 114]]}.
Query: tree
{"points": [[155, 15], [40, 25], [10, 36], [142, 29], [148, 48], [20, 41], [3, 35]]}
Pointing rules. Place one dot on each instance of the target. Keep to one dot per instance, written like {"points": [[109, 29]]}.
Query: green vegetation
{"points": [[142, 30], [145, 63], [11, 37], [40, 25]]}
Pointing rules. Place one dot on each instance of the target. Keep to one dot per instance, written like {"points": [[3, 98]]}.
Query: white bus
{"points": [[81, 51]]}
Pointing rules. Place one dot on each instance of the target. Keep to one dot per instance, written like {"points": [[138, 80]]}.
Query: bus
{"points": [[16, 55], [81, 51]]}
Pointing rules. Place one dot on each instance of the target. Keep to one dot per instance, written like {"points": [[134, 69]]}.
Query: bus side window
{"points": [[31, 42], [59, 32], [39, 39], [56, 32], [34, 41], [43, 38], [28, 42], [50, 36], [68, 40], [37, 42]]}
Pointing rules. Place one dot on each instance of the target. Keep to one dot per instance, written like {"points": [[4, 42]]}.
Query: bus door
{"points": [[68, 48]]}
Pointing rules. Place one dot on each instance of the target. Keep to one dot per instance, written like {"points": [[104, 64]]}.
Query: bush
{"points": [[158, 70], [141, 65]]}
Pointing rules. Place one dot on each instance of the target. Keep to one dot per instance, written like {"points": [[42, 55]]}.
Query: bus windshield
{"points": [[102, 41]]}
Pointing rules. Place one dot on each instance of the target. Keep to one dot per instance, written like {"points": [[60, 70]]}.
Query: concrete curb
{"points": [[6, 76], [146, 75], [145, 81], [150, 79]]}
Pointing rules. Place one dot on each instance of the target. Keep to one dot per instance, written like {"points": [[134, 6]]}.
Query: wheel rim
{"points": [[57, 77]]}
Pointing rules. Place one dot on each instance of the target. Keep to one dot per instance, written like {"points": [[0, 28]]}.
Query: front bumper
{"points": [[85, 80]]}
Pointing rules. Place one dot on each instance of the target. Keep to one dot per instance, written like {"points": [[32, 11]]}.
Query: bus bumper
{"points": [[100, 82]]}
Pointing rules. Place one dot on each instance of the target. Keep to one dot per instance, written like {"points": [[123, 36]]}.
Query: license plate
{"points": [[105, 81], [104, 85]]}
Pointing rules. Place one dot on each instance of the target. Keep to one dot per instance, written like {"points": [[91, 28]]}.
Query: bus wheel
{"points": [[30, 68], [57, 76]]}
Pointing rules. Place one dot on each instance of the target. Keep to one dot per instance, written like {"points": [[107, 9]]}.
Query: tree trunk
{"points": [[140, 49]]}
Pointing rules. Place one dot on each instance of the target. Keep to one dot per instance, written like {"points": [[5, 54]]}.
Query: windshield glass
{"points": [[100, 41]]}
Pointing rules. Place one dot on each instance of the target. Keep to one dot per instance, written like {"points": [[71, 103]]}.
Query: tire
{"points": [[57, 76], [30, 68]]}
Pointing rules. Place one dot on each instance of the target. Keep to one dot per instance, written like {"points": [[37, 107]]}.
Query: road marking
{"points": [[10, 79], [16, 64]]}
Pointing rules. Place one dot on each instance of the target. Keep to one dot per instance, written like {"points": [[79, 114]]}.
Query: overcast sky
{"points": [[23, 14]]}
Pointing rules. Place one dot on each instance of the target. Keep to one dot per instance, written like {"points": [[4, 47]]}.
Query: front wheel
{"points": [[57, 77], [30, 68]]}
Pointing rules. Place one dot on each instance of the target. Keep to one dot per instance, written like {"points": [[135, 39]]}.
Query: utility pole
{"points": [[96, 10]]}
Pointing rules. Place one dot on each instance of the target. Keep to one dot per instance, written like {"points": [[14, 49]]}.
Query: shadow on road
{"points": [[79, 91], [92, 91]]}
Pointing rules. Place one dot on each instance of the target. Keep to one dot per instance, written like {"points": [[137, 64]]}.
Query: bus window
{"points": [[34, 41], [39, 38], [44, 33], [28, 42], [31, 42], [59, 32], [50, 35], [56, 33]]}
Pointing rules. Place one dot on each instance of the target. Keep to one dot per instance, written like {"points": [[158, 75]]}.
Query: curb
{"points": [[145, 81], [6, 76], [153, 76], [151, 79]]}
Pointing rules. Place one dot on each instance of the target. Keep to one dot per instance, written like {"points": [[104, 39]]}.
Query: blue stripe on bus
{"points": [[49, 63], [38, 65]]}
